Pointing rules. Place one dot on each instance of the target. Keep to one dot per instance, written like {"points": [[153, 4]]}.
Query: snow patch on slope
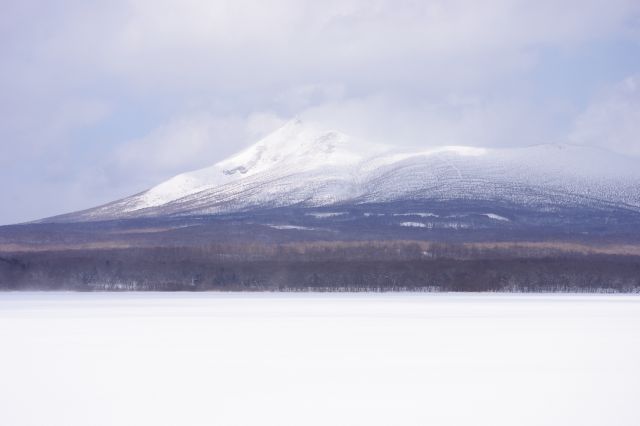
{"points": [[496, 217], [417, 214], [413, 224], [326, 215], [292, 227]]}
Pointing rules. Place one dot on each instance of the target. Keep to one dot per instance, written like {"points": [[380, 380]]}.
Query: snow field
{"points": [[318, 359]]}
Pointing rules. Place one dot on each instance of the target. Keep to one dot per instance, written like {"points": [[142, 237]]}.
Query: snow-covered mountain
{"points": [[305, 165]]}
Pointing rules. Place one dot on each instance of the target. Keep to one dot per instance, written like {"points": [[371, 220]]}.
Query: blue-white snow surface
{"points": [[318, 359]]}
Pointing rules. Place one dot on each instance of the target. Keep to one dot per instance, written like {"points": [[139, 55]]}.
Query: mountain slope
{"points": [[305, 166]]}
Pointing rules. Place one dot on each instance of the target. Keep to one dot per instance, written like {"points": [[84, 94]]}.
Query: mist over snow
{"points": [[105, 99]]}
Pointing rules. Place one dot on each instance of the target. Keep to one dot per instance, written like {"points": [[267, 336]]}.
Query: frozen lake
{"points": [[318, 359]]}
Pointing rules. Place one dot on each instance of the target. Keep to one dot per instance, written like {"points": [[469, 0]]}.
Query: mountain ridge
{"points": [[303, 164]]}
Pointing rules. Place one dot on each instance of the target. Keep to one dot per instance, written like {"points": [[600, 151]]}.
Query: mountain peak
{"points": [[295, 147], [304, 163], [298, 142]]}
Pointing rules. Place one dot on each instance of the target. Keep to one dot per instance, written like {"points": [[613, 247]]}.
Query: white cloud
{"points": [[298, 98], [188, 142], [169, 45], [612, 120], [458, 119]]}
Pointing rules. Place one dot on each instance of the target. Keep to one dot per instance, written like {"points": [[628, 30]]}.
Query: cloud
{"points": [[103, 98], [612, 120], [187, 142], [151, 45], [458, 119]]}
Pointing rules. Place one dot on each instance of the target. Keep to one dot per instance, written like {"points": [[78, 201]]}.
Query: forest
{"points": [[328, 266]]}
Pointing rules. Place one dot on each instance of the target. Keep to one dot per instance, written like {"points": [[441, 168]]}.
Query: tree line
{"points": [[322, 266]]}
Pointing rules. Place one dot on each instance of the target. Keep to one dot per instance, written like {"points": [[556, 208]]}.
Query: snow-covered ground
{"points": [[318, 359]]}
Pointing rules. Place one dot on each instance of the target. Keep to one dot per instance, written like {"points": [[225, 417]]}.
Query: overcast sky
{"points": [[103, 99]]}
